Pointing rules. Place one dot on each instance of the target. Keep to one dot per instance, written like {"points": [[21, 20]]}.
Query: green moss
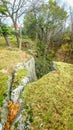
{"points": [[16, 124], [20, 74], [71, 125], [51, 99], [3, 86]]}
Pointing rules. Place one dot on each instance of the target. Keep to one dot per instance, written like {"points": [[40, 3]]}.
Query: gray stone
{"points": [[0, 126], [4, 112], [25, 81], [53, 67], [19, 66], [16, 93], [24, 123], [30, 66]]}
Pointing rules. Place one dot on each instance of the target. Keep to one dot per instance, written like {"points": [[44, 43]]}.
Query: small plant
{"points": [[20, 74]]}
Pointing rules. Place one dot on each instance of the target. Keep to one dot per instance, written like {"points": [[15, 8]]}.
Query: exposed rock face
{"points": [[53, 67], [30, 77], [25, 81], [0, 126], [15, 94], [30, 66], [4, 112]]}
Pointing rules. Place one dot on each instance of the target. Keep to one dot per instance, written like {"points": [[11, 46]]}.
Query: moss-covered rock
{"points": [[20, 74], [51, 99]]}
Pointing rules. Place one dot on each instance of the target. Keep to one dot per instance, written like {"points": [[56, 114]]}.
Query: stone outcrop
{"points": [[15, 93], [30, 77]]}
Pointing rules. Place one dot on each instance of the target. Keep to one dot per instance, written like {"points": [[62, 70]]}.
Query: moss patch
{"points": [[51, 99], [20, 74], [3, 86]]}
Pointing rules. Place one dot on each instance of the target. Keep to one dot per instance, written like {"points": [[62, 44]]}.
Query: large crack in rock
{"points": [[13, 98]]}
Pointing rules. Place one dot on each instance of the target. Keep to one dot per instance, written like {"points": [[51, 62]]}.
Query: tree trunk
{"points": [[46, 48], [6, 40], [42, 34], [17, 38], [20, 42], [47, 42], [17, 34]]}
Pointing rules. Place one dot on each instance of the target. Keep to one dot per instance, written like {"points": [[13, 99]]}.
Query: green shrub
{"points": [[43, 66]]}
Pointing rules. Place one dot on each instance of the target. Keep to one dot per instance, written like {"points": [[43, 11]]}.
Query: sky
{"points": [[70, 2], [66, 3]]}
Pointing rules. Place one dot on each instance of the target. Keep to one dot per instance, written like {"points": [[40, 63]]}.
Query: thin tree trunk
{"points": [[46, 48], [20, 42], [17, 38], [47, 42], [42, 34], [6, 40], [17, 34]]}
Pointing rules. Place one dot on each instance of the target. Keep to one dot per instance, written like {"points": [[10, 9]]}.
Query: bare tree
{"points": [[15, 10], [4, 29]]}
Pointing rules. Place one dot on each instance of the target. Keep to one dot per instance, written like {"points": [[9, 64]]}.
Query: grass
{"points": [[12, 41], [51, 99], [8, 59], [3, 87], [26, 42]]}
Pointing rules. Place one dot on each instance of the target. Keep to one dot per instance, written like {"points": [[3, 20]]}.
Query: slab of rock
{"points": [[15, 95], [0, 126]]}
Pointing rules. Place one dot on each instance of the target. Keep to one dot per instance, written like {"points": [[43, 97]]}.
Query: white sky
{"points": [[67, 2], [70, 2]]}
